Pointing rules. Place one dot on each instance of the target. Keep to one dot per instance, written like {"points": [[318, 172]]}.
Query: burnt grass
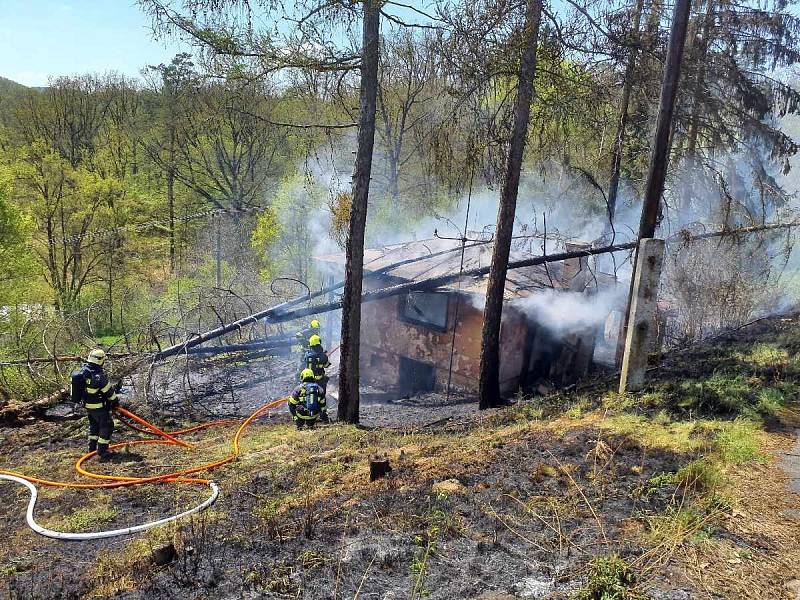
{"points": [[515, 526], [515, 502]]}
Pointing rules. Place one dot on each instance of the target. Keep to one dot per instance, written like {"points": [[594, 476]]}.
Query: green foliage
{"points": [[610, 578], [16, 260], [770, 401], [265, 235], [699, 475], [737, 442], [288, 232]]}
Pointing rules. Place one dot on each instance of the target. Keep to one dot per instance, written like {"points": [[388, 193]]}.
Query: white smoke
{"points": [[562, 313]]}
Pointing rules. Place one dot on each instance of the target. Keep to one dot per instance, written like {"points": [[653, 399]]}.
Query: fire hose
{"points": [[114, 481]]}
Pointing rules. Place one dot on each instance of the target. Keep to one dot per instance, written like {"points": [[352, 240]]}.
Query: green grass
{"points": [[89, 518], [700, 475], [673, 436], [764, 356], [770, 401], [610, 578], [738, 442], [615, 403], [678, 524]]}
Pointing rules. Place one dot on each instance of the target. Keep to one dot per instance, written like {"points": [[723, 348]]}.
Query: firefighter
{"points": [[316, 359], [307, 402], [305, 335], [91, 387]]}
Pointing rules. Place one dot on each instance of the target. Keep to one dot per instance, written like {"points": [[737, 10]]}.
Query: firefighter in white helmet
{"points": [[91, 387]]}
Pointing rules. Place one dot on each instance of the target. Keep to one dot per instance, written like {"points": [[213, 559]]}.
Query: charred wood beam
{"points": [[265, 345], [281, 314], [273, 314]]}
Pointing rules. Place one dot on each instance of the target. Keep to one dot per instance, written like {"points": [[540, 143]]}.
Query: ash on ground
{"points": [[188, 388]]}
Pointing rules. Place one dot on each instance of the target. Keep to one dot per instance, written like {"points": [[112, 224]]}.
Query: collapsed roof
{"points": [[520, 283]]}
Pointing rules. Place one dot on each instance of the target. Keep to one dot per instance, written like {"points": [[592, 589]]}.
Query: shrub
{"points": [[699, 475], [610, 578], [737, 442]]}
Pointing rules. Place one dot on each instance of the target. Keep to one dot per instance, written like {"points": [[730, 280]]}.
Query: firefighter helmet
{"points": [[96, 357], [315, 324], [315, 340], [306, 375]]}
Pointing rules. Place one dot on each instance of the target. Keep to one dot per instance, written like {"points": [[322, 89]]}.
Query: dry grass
{"points": [[729, 530], [763, 555]]}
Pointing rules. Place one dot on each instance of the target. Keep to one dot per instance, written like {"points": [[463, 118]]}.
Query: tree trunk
{"points": [[171, 198], [394, 176], [697, 87], [354, 269], [659, 158], [622, 120], [490, 338], [218, 251]]}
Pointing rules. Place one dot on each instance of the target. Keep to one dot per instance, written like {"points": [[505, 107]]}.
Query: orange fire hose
{"points": [[151, 427], [114, 481]]}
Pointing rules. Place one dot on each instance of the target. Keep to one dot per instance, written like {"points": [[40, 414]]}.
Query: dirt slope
{"points": [[680, 492]]}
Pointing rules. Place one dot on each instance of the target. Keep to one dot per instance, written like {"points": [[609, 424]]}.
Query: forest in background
{"points": [[136, 211]]}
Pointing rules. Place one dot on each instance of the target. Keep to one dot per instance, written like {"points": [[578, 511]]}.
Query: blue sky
{"points": [[47, 38]]}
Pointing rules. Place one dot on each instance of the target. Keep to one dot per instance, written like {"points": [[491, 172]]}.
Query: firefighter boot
{"points": [[92, 445], [104, 453]]}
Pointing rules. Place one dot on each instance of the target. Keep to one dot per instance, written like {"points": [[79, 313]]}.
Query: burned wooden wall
{"points": [[387, 339]]}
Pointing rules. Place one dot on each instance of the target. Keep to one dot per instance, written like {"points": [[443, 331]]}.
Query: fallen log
{"points": [[274, 314], [15, 413], [282, 314], [36, 360], [249, 347]]}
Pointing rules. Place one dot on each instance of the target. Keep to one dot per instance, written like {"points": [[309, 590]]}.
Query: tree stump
{"points": [[378, 467], [163, 555]]}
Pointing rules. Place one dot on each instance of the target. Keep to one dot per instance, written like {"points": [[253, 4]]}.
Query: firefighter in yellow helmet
{"points": [[317, 360], [304, 336], [307, 402], [91, 388]]}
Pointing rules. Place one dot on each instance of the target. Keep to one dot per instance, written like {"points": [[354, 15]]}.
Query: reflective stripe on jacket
{"points": [[91, 387], [302, 396], [317, 361]]}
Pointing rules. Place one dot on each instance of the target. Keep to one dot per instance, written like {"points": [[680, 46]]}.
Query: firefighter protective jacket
{"points": [[91, 387], [316, 360], [307, 401]]}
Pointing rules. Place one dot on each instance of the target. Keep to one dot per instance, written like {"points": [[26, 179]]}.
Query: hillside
{"points": [[7, 85], [680, 492]]}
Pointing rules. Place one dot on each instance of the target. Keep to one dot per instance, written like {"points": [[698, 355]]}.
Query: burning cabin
{"points": [[420, 341]]}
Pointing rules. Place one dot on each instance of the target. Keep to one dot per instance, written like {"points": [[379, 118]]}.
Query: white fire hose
{"points": [[96, 535]]}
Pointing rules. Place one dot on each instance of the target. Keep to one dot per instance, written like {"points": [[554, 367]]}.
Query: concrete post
{"points": [[641, 318]]}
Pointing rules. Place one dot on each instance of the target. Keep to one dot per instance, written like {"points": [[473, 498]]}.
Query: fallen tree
{"points": [[281, 314], [274, 314], [14, 412]]}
